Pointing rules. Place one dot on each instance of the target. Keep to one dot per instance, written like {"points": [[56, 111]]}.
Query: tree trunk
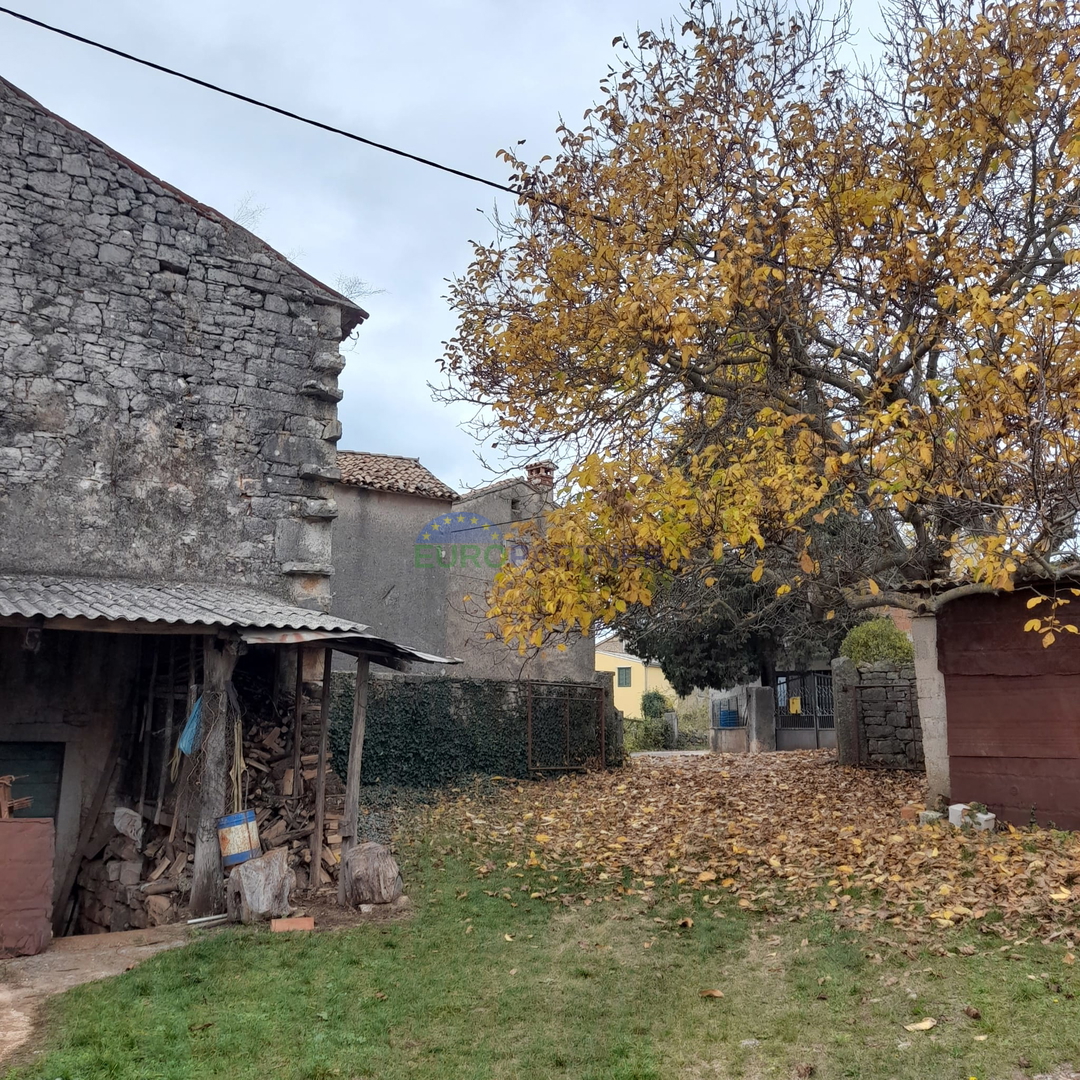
{"points": [[260, 888], [350, 825], [371, 875], [219, 659]]}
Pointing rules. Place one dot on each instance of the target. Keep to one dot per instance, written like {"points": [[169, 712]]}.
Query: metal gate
{"points": [[564, 726], [804, 710]]}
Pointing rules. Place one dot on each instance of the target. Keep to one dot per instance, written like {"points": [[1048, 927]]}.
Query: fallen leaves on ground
{"points": [[922, 1025], [787, 832]]}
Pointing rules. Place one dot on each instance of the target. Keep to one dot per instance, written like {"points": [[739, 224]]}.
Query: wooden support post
{"points": [[148, 727], [320, 775], [170, 713], [207, 891], [350, 826], [298, 725]]}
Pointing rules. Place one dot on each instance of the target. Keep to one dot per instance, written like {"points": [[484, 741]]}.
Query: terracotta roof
{"points": [[352, 313], [387, 472]]}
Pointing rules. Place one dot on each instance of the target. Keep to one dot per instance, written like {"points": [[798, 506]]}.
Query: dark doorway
{"points": [[37, 768]]}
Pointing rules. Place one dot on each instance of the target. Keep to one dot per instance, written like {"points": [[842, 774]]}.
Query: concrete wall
{"points": [[169, 382], [877, 715], [376, 579], [77, 688], [506, 506]]}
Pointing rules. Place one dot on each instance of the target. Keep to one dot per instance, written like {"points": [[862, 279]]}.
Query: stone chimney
{"points": [[541, 474]]}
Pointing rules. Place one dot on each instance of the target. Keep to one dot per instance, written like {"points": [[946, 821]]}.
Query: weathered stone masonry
{"points": [[877, 715], [168, 384]]}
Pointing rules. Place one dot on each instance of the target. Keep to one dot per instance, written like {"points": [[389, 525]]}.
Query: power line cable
{"points": [[265, 105]]}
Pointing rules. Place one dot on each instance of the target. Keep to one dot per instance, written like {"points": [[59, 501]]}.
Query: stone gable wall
{"points": [[877, 715], [169, 384]]}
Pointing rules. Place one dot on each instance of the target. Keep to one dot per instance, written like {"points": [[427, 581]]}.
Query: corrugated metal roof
{"points": [[111, 599], [387, 472]]}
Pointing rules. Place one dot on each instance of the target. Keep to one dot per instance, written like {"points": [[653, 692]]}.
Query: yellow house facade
{"points": [[632, 676]]}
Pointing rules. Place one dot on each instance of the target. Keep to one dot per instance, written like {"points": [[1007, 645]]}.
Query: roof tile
{"points": [[386, 472]]}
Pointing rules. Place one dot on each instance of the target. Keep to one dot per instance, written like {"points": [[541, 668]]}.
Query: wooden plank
{"points": [[298, 724], [86, 833], [350, 822], [170, 713], [147, 731], [320, 764]]}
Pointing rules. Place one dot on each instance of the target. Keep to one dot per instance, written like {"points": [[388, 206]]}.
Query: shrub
{"points": [[654, 704], [877, 640]]}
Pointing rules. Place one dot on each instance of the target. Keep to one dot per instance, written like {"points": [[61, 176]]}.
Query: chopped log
{"points": [[159, 888], [260, 888], [371, 875], [159, 869]]}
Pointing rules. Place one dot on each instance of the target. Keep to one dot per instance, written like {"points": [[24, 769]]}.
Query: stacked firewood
{"points": [[285, 806], [127, 888]]}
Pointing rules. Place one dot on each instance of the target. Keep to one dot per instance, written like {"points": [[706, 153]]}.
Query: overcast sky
{"points": [[452, 80]]}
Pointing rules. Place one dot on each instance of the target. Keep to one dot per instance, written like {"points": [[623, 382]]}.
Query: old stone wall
{"points": [[877, 715], [169, 382]]}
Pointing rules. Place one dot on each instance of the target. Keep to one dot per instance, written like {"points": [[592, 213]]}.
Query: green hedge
{"points": [[424, 732], [876, 640]]}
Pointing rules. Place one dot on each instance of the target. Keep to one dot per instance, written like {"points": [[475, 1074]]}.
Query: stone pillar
{"points": [[846, 710], [760, 719], [671, 721], [930, 684]]}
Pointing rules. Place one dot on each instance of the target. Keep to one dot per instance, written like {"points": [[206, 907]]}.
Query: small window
{"points": [[624, 676]]}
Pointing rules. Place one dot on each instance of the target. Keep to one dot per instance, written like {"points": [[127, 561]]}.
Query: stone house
{"points": [[385, 503], [167, 459], [501, 510], [417, 560]]}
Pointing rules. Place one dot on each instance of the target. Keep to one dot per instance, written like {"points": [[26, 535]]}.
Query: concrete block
{"points": [[930, 817], [984, 822], [957, 813]]}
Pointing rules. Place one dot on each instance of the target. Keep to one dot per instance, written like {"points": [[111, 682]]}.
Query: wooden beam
{"points": [[320, 774], [107, 626], [170, 714], [207, 882], [350, 825], [148, 729], [298, 726], [86, 832]]}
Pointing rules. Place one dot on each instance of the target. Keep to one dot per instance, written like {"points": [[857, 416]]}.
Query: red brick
{"points": [[305, 923]]}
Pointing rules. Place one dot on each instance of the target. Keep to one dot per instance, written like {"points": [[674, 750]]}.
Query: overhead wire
{"points": [[266, 105]]}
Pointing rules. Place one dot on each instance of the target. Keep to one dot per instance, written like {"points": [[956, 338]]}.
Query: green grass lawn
{"points": [[480, 986]]}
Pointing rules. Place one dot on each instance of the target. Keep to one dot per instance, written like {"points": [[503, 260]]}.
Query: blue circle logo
{"points": [[466, 541]]}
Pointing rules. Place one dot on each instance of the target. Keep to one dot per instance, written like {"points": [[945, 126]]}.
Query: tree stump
{"points": [[260, 888], [371, 875]]}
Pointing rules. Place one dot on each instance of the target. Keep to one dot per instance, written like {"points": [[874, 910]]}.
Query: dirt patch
{"points": [[27, 981]]}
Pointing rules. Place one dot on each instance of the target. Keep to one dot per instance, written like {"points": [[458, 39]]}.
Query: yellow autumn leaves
{"points": [[778, 832], [754, 293]]}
